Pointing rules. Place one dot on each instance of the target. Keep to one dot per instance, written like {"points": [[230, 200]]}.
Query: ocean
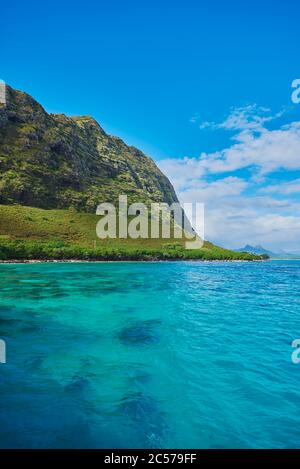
{"points": [[150, 355]]}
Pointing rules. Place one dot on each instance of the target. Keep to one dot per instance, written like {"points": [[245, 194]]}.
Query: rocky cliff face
{"points": [[55, 161]]}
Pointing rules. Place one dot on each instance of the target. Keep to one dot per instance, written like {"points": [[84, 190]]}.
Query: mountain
{"points": [[56, 161], [56, 169], [259, 250]]}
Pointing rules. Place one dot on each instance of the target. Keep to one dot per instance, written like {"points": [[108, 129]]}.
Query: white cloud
{"points": [[237, 211], [267, 151], [182, 171], [287, 188], [247, 118], [252, 220], [255, 144], [204, 191]]}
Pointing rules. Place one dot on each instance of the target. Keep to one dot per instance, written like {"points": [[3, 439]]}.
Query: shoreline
{"points": [[80, 261]]}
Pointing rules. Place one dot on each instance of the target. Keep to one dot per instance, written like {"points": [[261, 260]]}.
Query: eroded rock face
{"points": [[56, 161]]}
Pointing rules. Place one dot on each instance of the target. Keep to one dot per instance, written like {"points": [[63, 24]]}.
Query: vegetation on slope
{"points": [[55, 170], [33, 233], [55, 161]]}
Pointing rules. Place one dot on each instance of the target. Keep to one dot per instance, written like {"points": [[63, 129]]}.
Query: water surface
{"points": [[173, 354]]}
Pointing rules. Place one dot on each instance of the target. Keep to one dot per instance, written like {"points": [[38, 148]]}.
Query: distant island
{"points": [[56, 169], [261, 251]]}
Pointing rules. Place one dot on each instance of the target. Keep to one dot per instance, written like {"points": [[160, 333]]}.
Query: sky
{"points": [[203, 87]]}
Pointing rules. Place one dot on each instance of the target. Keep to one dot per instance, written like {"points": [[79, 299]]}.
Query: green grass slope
{"points": [[33, 233]]}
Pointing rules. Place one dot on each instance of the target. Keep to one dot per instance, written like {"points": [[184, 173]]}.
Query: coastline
{"points": [[80, 261], [36, 251]]}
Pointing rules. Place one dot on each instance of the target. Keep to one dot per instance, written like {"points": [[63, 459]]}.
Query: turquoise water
{"points": [[176, 354]]}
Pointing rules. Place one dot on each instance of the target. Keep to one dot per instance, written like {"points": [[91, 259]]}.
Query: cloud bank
{"points": [[251, 188]]}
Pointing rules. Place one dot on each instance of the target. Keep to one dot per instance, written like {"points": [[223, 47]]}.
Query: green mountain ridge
{"points": [[56, 161], [56, 169]]}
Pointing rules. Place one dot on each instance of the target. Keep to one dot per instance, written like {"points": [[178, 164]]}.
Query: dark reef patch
{"points": [[140, 333]]}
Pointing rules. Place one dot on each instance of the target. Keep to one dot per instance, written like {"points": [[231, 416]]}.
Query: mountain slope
{"points": [[55, 161], [258, 250], [55, 170]]}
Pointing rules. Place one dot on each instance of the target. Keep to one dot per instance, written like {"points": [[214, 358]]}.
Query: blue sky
{"points": [[179, 80]]}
